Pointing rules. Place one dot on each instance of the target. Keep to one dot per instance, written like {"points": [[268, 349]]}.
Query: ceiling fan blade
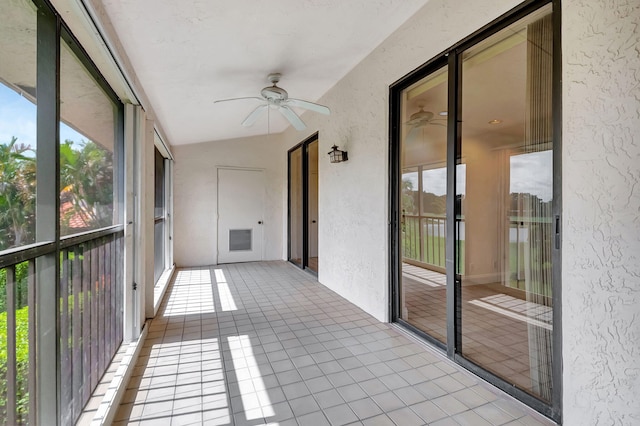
{"points": [[253, 116], [292, 117], [413, 134], [309, 105], [414, 122], [237, 99]]}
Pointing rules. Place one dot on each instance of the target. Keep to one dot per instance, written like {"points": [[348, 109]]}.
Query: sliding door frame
{"points": [[452, 58], [304, 146]]}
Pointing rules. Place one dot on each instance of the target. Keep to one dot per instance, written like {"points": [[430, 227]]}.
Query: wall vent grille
{"points": [[240, 239]]}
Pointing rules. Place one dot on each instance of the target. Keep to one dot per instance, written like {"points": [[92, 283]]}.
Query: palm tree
{"points": [[17, 195], [86, 181]]}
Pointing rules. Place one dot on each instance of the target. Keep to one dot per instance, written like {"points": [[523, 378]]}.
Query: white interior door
{"points": [[240, 215]]}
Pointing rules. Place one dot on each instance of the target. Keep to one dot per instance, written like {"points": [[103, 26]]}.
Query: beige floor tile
{"points": [[293, 352]]}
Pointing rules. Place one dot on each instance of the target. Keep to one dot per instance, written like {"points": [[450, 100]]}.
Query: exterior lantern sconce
{"points": [[337, 156]]}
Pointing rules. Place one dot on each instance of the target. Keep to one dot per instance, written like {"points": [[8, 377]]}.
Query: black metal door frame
{"points": [[304, 146]]}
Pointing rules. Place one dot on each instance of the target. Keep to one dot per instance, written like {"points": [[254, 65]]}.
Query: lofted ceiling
{"points": [[186, 54]]}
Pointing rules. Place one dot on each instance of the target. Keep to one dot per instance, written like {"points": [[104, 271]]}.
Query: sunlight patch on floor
{"points": [[255, 399], [511, 314], [226, 298], [191, 293]]}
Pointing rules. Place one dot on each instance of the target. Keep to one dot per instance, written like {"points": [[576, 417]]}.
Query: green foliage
{"points": [[17, 195], [86, 183], [408, 196], [22, 339], [22, 269], [433, 204], [22, 362]]}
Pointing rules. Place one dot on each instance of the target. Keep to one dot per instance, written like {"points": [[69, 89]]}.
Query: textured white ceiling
{"points": [[189, 53]]}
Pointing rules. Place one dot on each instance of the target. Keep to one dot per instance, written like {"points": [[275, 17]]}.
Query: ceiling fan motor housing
{"points": [[421, 115], [274, 93]]}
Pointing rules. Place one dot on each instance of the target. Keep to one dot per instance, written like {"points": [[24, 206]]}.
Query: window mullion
{"points": [[47, 213], [453, 143]]}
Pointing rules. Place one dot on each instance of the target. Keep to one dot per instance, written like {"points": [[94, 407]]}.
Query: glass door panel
{"points": [[296, 220], [423, 205], [504, 200], [312, 203]]}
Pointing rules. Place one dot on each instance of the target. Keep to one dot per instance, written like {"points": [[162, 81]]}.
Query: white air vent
{"points": [[240, 239]]}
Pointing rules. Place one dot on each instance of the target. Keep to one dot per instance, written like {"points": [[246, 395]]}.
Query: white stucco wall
{"points": [[601, 190], [353, 196], [195, 195]]}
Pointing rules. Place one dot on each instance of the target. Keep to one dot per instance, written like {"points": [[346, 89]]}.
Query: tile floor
{"points": [[265, 343]]}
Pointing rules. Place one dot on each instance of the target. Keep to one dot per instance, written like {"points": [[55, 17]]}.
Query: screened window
{"points": [[18, 117], [88, 120], [159, 216]]}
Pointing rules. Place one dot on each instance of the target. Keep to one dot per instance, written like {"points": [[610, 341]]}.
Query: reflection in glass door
{"points": [[423, 205], [303, 204], [506, 204]]}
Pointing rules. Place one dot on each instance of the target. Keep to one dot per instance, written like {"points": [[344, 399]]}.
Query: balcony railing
{"points": [[423, 240], [424, 244], [90, 304], [91, 307]]}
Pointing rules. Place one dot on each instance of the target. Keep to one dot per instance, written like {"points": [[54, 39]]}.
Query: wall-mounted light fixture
{"points": [[337, 156]]}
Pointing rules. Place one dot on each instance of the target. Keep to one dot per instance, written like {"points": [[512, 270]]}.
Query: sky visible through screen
{"points": [[435, 180], [18, 119]]}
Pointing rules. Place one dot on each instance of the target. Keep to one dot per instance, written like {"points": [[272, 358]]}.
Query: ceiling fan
{"points": [[421, 119], [277, 98]]}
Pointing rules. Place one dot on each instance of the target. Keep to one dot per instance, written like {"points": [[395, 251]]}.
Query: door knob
{"points": [[259, 222]]}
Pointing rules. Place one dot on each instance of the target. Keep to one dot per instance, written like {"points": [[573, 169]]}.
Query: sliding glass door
{"points": [[303, 204], [506, 201], [476, 239], [423, 158]]}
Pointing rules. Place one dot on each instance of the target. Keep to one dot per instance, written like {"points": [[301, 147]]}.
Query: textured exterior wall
{"points": [[353, 196], [601, 209], [195, 195]]}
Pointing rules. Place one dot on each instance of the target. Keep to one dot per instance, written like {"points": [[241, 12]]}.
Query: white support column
{"points": [[140, 203], [147, 172], [132, 114], [168, 182]]}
